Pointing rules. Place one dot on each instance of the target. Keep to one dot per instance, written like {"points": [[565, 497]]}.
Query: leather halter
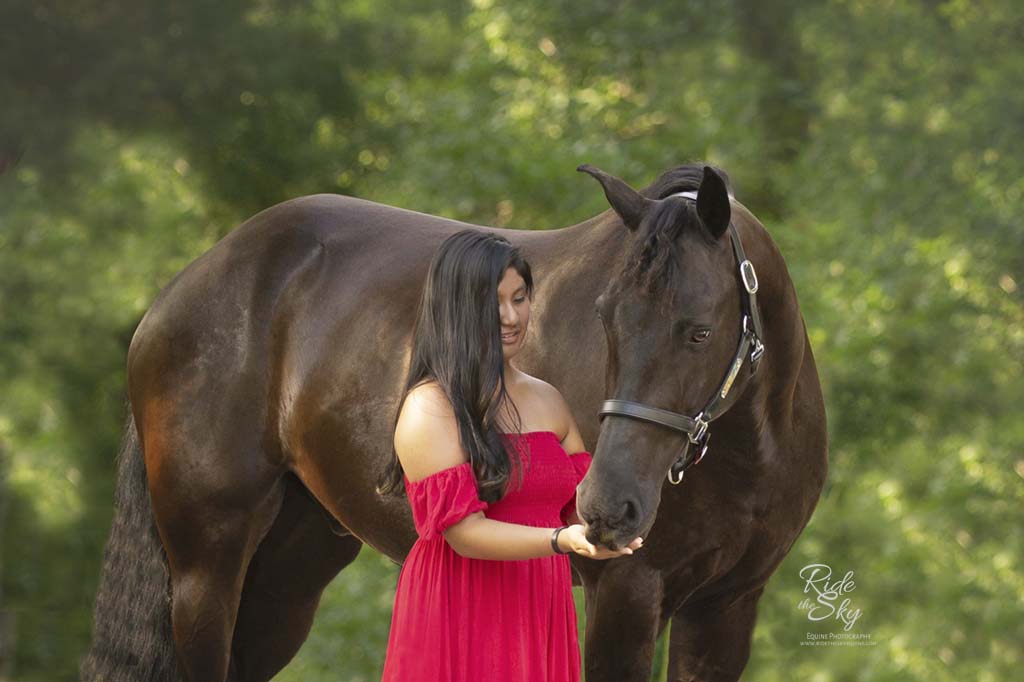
{"points": [[696, 428]]}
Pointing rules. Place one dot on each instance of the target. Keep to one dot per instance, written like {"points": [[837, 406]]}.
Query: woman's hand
{"points": [[573, 539]]}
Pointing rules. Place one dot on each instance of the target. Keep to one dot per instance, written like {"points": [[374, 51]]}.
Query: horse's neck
{"points": [[585, 251], [572, 266], [785, 335], [767, 395]]}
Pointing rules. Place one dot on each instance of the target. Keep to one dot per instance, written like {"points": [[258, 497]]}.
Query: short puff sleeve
{"points": [[581, 463], [442, 499]]}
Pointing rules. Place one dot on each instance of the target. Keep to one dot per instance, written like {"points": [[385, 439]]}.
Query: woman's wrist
{"points": [[556, 541]]}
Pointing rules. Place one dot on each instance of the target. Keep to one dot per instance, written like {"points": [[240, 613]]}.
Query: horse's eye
{"points": [[701, 336]]}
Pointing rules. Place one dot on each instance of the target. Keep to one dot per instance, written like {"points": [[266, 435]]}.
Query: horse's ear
{"points": [[713, 202], [627, 202]]}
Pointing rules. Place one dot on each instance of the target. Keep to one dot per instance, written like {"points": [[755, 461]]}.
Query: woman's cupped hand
{"points": [[574, 539]]}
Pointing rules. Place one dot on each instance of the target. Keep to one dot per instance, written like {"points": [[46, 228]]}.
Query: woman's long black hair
{"points": [[457, 342]]}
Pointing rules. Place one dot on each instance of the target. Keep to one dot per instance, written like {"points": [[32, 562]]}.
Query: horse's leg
{"points": [[623, 621], [212, 510], [292, 566], [207, 574], [710, 639]]}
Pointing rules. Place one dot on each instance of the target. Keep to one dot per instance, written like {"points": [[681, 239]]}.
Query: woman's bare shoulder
{"points": [[427, 434], [545, 394], [550, 401]]}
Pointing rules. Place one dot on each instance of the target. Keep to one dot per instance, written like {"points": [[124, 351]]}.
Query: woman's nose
{"points": [[509, 316]]}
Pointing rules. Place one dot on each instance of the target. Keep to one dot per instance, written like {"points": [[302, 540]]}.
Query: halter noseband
{"points": [[696, 428]]}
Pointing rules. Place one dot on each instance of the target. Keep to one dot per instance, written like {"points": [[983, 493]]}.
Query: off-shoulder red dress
{"points": [[479, 620]]}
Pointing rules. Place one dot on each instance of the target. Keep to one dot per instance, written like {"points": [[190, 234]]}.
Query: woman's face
{"points": [[514, 312]]}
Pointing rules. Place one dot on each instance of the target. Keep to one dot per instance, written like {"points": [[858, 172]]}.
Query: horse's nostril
{"points": [[629, 512]]}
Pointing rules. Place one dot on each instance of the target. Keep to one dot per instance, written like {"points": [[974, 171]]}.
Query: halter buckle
{"points": [[756, 353], [700, 429]]}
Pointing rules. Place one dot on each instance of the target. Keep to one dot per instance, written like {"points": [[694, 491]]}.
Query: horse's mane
{"points": [[651, 260]]}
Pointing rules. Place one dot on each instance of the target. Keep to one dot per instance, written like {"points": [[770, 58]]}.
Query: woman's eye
{"points": [[519, 300]]}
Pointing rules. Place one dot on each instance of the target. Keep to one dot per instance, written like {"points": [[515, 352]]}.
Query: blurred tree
{"points": [[879, 142]]}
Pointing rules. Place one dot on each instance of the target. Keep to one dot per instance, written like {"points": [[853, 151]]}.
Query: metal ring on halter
{"points": [[749, 276], [671, 475], [702, 443]]}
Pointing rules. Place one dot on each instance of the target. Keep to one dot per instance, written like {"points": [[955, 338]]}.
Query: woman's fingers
{"points": [[601, 552], [588, 548], [636, 544]]}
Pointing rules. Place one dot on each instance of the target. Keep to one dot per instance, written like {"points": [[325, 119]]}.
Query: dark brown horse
{"points": [[263, 383]]}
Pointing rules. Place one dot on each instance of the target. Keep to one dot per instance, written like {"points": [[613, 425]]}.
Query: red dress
{"points": [[480, 620]]}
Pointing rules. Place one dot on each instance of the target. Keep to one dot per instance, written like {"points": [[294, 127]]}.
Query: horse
{"points": [[262, 385]]}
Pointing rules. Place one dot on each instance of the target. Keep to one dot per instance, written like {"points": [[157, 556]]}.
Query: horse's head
{"points": [[678, 323]]}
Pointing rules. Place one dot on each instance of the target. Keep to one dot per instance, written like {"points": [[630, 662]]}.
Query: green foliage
{"points": [[879, 142], [350, 632]]}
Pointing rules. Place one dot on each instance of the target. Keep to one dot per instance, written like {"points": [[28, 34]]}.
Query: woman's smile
{"points": [[510, 337]]}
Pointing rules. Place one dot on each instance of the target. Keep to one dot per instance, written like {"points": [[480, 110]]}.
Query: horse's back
{"points": [[239, 279], [224, 321]]}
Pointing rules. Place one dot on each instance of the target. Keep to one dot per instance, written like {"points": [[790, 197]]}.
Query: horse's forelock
{"points": [[651, 260], [681, 179]]}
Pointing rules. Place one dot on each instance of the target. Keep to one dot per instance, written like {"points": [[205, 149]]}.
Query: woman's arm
{"points": [[478, 537], [427, 441]]}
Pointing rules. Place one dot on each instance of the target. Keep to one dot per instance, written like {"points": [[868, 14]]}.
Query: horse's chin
{"points": [[617, 538]]}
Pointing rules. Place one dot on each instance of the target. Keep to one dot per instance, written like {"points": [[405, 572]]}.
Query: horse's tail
{"points": [[131, 637]]}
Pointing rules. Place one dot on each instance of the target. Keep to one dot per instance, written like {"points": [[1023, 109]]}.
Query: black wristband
{"points": [[554, 540]]}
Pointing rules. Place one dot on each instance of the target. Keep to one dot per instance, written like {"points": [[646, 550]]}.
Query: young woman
{"points": [[490, 458]]}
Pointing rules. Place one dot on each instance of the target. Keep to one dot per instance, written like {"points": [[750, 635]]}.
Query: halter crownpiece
{"points": [[751, 335]]}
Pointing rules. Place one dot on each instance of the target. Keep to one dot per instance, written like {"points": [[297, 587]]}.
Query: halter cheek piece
{"points": [[696, 428]]}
